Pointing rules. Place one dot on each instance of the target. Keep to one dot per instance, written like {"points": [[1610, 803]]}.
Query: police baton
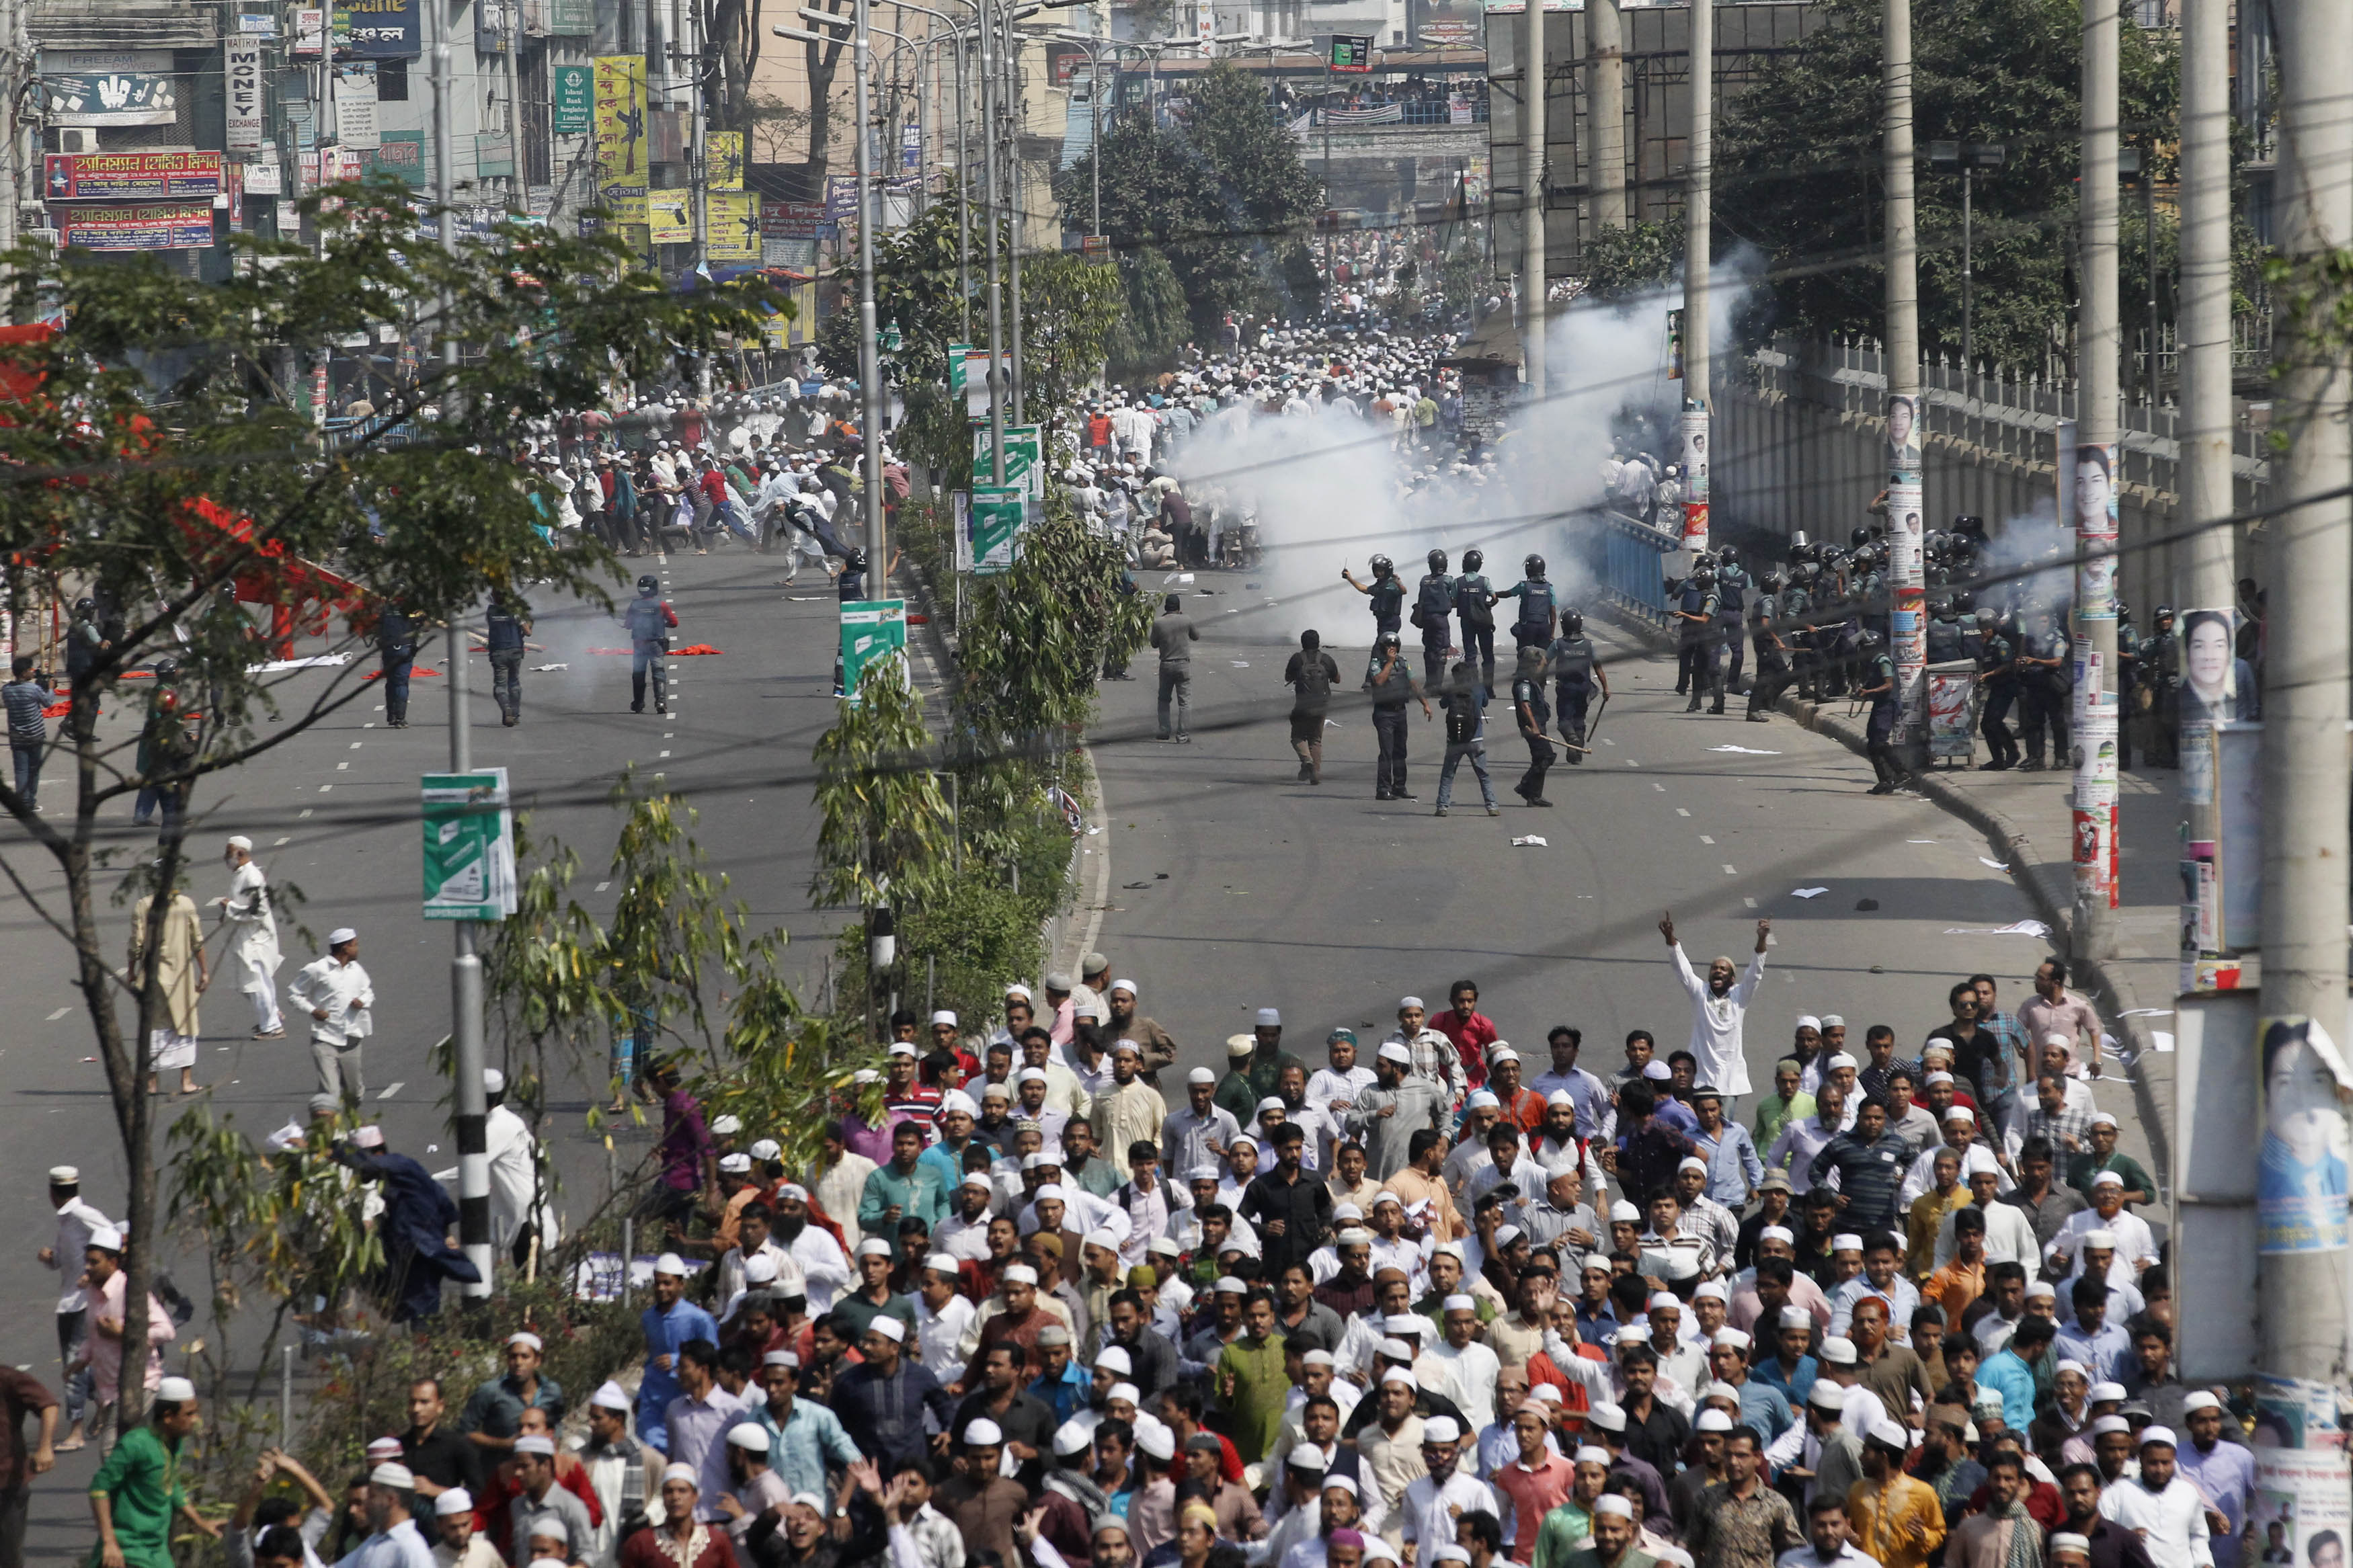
{"points": [[1594, 728]]}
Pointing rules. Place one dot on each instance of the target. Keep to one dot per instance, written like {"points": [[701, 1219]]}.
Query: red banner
{"points": [[131, 176]]}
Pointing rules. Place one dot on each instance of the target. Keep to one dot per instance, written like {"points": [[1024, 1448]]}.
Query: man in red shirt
{"points": [[1470, 1030]]}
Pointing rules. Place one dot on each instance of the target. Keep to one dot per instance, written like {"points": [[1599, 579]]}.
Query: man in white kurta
{"points": [[516, 1203], [1719, 1006], [253, 950]]}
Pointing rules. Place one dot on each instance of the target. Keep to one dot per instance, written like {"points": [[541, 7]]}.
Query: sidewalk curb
{"points": [[2054, 905]]}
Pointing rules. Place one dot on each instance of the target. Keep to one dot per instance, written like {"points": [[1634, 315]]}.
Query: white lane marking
{"points": [[1679, 810], [1730, 872], [325, 788], [602, 886], [55, 1016], [280, 843], [1748, 904], [395, 1087], [1632, 763], [369, 725], [665, 754], [300, 814], [355, 745], [1703, 839], [341, 766]]}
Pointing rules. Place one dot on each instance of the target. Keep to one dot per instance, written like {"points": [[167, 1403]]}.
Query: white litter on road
{"points": [[2035, 928], [1745, 750], [2162, 1041], [1808, 892], [316, 661], [1997, 865], [1533, 840], [2148, 1012], [1239, 663], [1919, 841], [544, 667]]}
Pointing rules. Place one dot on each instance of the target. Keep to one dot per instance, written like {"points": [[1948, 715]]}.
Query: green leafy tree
{"points": [[1154, 326], [1639, 258], [1798, 164], [159, 464], [1226, 198]]}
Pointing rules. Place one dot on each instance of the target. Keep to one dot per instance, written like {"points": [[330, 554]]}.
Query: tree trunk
{"points": [[821, 60]]}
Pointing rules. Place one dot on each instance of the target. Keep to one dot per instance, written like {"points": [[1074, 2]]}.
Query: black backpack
{"points": [[1314, 679]]}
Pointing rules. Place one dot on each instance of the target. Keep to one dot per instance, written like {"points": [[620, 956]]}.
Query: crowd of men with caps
{"points": [[1436, 1308]]}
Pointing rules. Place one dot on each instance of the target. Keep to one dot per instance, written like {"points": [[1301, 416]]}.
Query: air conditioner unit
{"points": [[72, 139]]}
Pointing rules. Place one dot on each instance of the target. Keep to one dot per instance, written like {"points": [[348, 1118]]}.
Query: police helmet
{"points": [[85, 607], [165, 668], [1964, 522], [1572, 624], [1534, 566], [1858, 538], [1943, 608], [1383, 565], [1799, 541], [2164, 612], [1387, 639], [1727, 557], [649, 583], [1988, 618], [1438, 561], [1775, 581], [1963, 601], [1474, 559], [1868, 641]]}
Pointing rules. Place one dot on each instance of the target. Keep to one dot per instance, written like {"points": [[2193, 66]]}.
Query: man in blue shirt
{"points": [[804, 1436], [668, 1323], [1732, 1168], [2010, 1372], [2104, 1348], [1764, 1408], [883, 1400], [1790, 1369]]}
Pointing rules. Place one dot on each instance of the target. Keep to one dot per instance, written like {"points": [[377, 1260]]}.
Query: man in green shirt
{"points": [[1252, 1382], [137, 1489], [1613, 1539], [905, 1188], [1786, 1104], [1234, 1090], [2103, 1156]]}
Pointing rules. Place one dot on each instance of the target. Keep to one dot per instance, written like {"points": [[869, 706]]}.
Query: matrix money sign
{"points": [[469, 867], [871, 631]]}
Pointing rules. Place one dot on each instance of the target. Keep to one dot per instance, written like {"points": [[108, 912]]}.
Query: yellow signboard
{"points": [[723, 161], [671, 214], [622, 148], [626, 209], [735, 226]]}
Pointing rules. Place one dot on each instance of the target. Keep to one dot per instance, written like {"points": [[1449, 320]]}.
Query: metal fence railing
{"points": [[1630, 566]]}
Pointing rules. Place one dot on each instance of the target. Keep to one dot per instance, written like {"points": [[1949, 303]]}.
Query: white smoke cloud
{"points": [[1329, 492]]}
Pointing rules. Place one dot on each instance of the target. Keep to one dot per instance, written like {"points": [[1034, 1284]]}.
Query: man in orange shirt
{"points": [[1898, 1521], [1524, 1106], [1962, 1281]]}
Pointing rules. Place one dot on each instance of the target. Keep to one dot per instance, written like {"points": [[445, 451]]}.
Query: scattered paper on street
{"points": [[1808, 892], [1239, 663], [2035, 928], [1745, 750], [1997, 865], [1533, 840], [316, 661], [551, 666]]}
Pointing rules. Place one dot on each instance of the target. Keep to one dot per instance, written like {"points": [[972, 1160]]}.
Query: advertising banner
{"points": [[872, 630], [1352, 54], [400, 153], [723, 160], [2095, 741], [310, 30], [2094, 496], [1024, 468], [356, 125], [791, 220], [241, 85], [162, 226], [619, 111], [469, 868], [378, 29], [1695, 456], [131, 176], [735, 226], [111, 97], [1949, 735], [671, 215], [2301, 1185], [977, 373], [997, 515], [2301, 1510], [574, 88]]}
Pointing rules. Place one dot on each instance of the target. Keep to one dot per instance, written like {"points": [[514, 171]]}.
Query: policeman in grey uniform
{"points": [[1474, 602], [1386, 592], [1529, 708], [1433, 611], [1534, 625], [650, 621], [1576, 673], [1773, 666], [1731, 589], [1695, 618], [1877, 687]]}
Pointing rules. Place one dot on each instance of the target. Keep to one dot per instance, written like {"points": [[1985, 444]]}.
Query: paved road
{"points": [[332, 813], [1232, 887]]}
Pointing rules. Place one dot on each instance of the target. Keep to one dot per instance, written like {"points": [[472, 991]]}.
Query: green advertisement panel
{"points": [[470, 864], [998, 512], [871, 631]]}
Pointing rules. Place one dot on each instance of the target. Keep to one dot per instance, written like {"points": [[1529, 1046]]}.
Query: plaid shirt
{"points": [[2068, 1122], [1435, 1058]]}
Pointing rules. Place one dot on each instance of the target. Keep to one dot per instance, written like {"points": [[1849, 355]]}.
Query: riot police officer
{"points": [[1732, 587], [1773, 667], [1695, 619], [1534, 625], [2127, 682], [1433, 609], [1944, 632], [1474, 602], [2043, 689], [1576, 672], [1390, 679], [650, 621], [1528, 707], [1877, 687], [1386, 592], [1793, 605], [1998, 680], [395, 641]]}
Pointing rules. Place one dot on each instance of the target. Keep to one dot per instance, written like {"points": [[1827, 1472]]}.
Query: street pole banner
{"points": [[872, 630], [1025, 466], [2088, 490], [241, 78], [1949, 735], [2301, 1187], [620, 110], [997, 511], [1695, 458], [469, 865]]}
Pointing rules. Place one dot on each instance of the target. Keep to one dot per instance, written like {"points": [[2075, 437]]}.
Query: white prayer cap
{"points": [[526, 1338], [1590, 1454], [1807, 1021], [175, 1391], [609, 1396], [1846, 1241], [1692, 1163], [1612, 1504], [1658, 1072], [64, 1176], [1961, 1114], [239, 841], [1128, 985], [493, 1081], [1405, 1001], [1126, 1391], [2107, 1179], [1713, 1290], [982, 1434], [1458, 1303], [782, 1358], [457, 1500], [2106, 1391], [398, 1478], [1561, 1097], [1797, 1318], [1017, 1274], [2199, 1399], [945, 1016], [890, 1328], [341, 934], [1732, 1338], [1395, 1052], [759, 1270], [1839, 1350], [1313, 1358], [1112, 1358], [1777, 1233], [2068, 1540], [735, 1165], [532, 1443], [681, 1473], [1666, 1299], [2099, 1238], [369, 1137], [671, 1263], [108, 1237], [1477, 1100], [1713, 1421], [766, 1148], [1939, 1076], [1051, 1190], [1622, 1210], [957, 1100], [873, 1246], [1200, 1074], [2103, 1119], [1269, 1017], [1500, 1052], [901, 1049], [1441, 1429]]}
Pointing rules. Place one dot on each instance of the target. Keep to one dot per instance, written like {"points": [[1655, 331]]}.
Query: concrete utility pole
{"points": [[2300, 1285], [869, 368], [1532, 198], [2092, 484], [1605, 113], [1697, 220], [2205, 411], [1907, 511]]}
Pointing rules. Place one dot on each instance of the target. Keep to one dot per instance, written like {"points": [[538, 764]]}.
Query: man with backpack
{"points": [[1474, 601], [1311, 675]]}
